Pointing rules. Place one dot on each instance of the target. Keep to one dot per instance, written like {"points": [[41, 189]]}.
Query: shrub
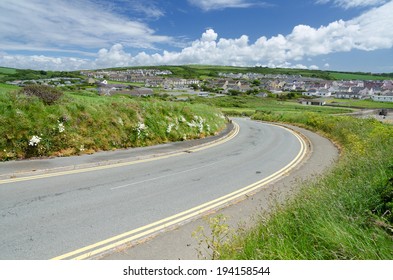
{"points": [[47, 94]]}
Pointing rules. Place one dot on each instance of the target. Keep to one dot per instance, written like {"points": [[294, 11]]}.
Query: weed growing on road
{"points": [[216, 240]]}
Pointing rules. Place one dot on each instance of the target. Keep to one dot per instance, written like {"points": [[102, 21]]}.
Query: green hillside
{"points": [[199, 72]]}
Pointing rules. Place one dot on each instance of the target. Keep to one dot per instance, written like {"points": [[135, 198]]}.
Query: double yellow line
{"points": [[96, 249]]}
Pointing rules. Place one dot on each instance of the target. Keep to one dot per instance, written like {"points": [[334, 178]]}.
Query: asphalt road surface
{"points": [[47, 217]]}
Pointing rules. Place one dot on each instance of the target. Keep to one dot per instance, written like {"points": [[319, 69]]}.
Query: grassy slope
{"points": [[94, 123], [4, 88], [342, 215], [357, 76]]}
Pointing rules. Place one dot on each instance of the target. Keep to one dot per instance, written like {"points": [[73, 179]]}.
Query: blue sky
{"points": [[345, 35]]}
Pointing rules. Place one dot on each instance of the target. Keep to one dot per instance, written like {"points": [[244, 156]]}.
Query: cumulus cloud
{"points": [[370, 31]]}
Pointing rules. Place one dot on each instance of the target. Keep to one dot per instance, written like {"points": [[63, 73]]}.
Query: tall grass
{"points": [[79, 124], [345, 214]]}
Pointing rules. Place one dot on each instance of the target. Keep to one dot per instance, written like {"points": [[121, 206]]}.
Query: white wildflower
{"points": [[34, 140], [141, 128], [61, 127], [169, 128], [182, 119], [191, 124], [120, 121], [200, 127]]}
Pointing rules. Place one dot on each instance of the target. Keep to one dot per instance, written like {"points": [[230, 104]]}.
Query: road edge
{"points": [[177, 242], [192, 146]]}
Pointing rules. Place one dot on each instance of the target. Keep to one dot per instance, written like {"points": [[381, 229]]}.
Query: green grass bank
{"points": [[345, 214], [80, 123]]}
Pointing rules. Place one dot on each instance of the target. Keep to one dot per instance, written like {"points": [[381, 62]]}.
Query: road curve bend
{"points": [[82, 215]]}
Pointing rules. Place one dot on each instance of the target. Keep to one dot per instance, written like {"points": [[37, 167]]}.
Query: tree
{"points": [[256, 83], [47, 94]]}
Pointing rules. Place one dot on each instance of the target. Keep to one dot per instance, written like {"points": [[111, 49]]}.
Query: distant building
{"points": [[383, 98], [314, 102]]}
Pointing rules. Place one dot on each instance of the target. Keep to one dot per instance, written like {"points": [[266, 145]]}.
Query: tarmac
{"points": [[179, 242], [37, 166]]}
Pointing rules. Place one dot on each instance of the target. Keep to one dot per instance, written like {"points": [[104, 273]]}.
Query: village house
{"points": [[104, 88], [138, 92], [348, 95], [154, 82], [321, 92], [313, 102], [179, 83], [387, 97]]}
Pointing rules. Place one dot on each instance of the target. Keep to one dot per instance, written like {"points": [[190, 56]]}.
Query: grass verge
{"points": [[346, 214], [78, 124]]}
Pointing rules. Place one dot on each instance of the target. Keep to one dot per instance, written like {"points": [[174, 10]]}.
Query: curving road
{"points": [[84, 213]]}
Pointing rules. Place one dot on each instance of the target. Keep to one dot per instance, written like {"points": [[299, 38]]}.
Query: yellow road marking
{"points": [[116, 241], [121, 164]]}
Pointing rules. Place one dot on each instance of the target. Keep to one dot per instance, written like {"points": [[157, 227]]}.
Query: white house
{"points": [[383, 98], [321, 92]]}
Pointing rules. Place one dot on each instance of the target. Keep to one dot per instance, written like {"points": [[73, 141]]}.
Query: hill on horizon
{"points": [[198, 71]]}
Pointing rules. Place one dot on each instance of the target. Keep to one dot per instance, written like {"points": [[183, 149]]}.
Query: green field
{"points": [[357, 76], [247, 105], [7, 88], [4, 70], [366, 104]]}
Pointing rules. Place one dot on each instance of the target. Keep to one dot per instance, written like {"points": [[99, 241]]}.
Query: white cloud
{"points": [[69, 25], [353, 3], [41, 62], [370, 31], [208, 5], [209, 36]]}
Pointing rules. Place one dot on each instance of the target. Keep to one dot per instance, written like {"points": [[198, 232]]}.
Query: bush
{"points": [[47, 94]]}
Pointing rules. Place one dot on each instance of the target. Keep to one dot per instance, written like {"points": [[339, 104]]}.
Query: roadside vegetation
{"points": [[38, 121], [345, 214]]}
